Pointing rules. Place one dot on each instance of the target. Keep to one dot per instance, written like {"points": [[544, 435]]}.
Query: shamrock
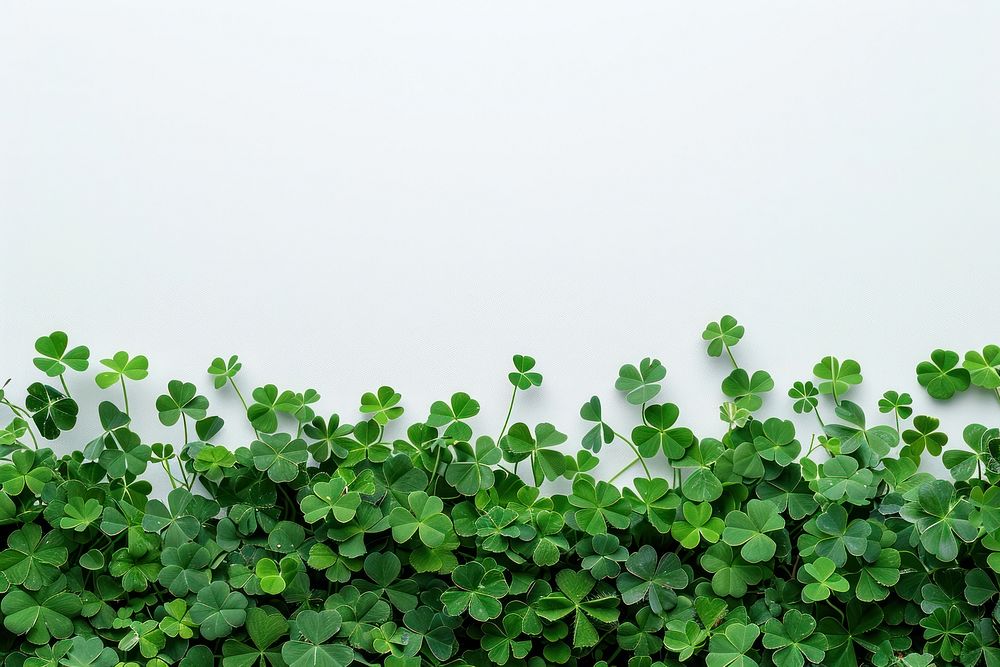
{"points": [[32, 560], [945, 630], [218, 610], [723, 335], [181, 400], [924, 435], [478, 589], [940, 517], [89, 652], [574, 597], [805, 395], [56, 358], [896, 403], [41, 615], [185, 568], [837, 377], [731, 574], [821, 579], [224, 371], [279, 455], [423, 517], [472, 469], [122, 366], [598, 504], [382, 405], [984, 367], [523, 377], [729, 646], [750, 529], [501, 643], [275, 577], [745, 389], [314, 629], [941, 376], [51, 411], [25, 471], [657, 432], [453, 415], [641, 385], [647, 578], [80, 513], [265, 626], [696, 525], [871, 443], [794, 639], [177, 621], [777, 442], [546, 463], [329, 498]]}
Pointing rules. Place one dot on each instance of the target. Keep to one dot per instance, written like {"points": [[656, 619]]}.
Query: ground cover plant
{"points": [[336, 540]]}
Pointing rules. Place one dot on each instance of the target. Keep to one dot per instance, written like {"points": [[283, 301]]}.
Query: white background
{"points": [[409, 193]]}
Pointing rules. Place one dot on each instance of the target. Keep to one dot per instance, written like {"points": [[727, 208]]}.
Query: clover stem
{"points": [[434, 474], [623, 471], [184, 421], [23, 414], [634, 451], [166, 468], [897, 420], [833, 390], [124, 394], [246, 408], [65, 388], [821, 424], [997, 391], [833, 607], [510, 409], [731, 357]]}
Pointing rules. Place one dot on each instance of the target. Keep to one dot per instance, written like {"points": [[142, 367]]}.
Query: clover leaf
{"points": [[574, 596], [723, 335], [750, 529], [181, 399], [383, 405], [794, 639], [641, 385], [218, 610], [56, 357], [523, 377], [51, 411], [836, 376]]}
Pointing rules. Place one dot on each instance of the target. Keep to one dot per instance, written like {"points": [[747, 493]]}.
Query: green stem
{"points": [[124, 394], [434, 474], [65, 388], [624, 470], [23, 414], [184, 421], [166, 468], [634, 451], [510, 409], [731, 357], [821, 424], [246, 408]]}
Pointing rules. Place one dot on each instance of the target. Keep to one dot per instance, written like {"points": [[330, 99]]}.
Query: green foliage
{"points": [[330, 541]]}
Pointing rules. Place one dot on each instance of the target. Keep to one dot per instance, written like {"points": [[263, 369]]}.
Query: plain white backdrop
{"points": [[349, 195]]}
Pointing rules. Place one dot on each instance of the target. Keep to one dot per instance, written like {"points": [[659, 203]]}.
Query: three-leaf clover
{"points": [[641, 385], [574, 596], [942, 376], [522, 377], [218, 610], [383, 405], [836, 376], [794, 639], [56, 357], [750, 529], [477, 588], [181, 399], [723, 335]]}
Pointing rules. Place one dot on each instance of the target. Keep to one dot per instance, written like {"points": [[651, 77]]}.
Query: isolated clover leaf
{"points": [[805, 396], [984, 367], [383, 405], [821, 580], [899, 404], [941, 376], [453, 415], [641, 385], [181, 399], [794, 639], [746, 389], [750, 529], [279, 455], [924, 435], [223, 371], [51, 411], [836, 376], [576, 596], [658, 433], [723, 335], [546, 462], [729, 646], [122, 366], [218, 610], [600, 434], [523, 377], [56, 357]]}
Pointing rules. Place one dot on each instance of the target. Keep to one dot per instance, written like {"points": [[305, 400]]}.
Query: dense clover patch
{"points": [[328, 543]]}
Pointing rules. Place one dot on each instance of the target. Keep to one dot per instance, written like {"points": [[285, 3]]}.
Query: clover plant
{"points": [[398, 535]]}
